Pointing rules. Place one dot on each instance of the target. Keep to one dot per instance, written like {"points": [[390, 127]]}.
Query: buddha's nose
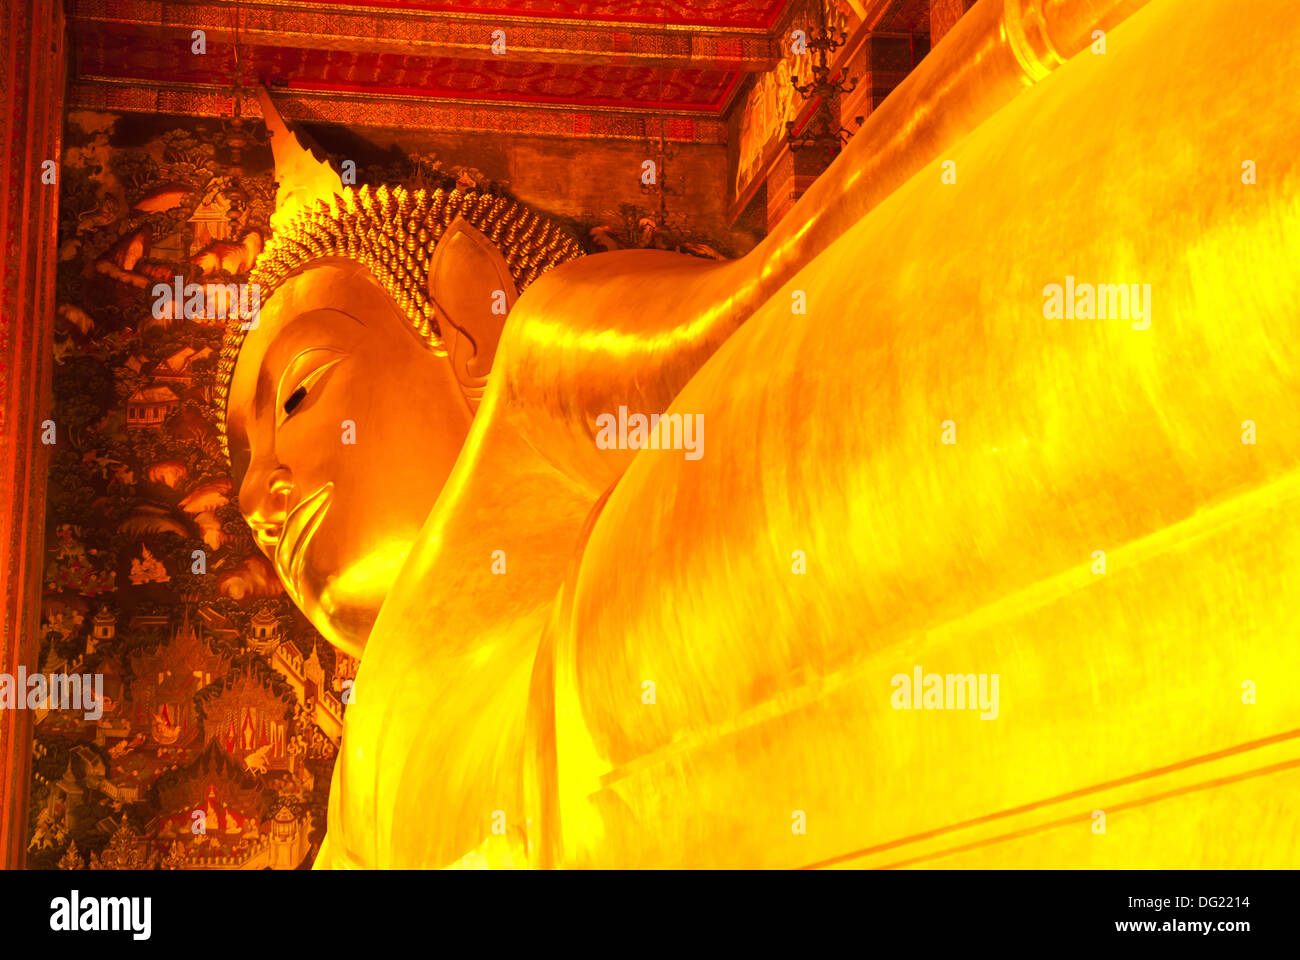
{"points": [[267, 498]]}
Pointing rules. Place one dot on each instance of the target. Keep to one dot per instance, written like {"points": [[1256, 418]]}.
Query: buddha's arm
{"points": [[823, 434]]}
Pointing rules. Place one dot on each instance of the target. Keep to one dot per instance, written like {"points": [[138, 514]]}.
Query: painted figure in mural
{"points": [[582, 650]]}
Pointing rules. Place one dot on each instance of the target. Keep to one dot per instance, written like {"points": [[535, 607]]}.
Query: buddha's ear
{"points": [[471, 287]]}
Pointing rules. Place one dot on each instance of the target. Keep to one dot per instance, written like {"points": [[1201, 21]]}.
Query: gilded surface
{"points": [[917, 471]]}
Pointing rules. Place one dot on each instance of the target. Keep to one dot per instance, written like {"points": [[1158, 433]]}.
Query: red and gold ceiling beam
{"points": [[400, 112], [423, 33]]}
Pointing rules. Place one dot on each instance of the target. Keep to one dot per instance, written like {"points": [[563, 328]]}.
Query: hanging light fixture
{"points": [[659, 147], [238, 136], [822, 130]]}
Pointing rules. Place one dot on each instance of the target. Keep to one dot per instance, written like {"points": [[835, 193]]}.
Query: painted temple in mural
{"points": [[193, 721]]}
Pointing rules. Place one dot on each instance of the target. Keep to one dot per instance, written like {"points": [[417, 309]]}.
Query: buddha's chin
{"points": [[345, 631], [348, 604], [345, 626]]}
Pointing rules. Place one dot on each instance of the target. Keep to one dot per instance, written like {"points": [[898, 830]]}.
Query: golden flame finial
{"points": [[301, 177]]}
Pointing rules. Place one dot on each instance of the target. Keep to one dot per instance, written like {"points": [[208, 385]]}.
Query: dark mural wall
{"points": [[222, 708]]}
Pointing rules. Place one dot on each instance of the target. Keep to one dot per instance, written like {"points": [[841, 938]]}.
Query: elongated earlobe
{"points": [[471, 287]]}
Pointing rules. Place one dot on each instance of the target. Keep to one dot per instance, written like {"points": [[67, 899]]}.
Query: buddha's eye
{"points": [[304, 377], [295, 398]]}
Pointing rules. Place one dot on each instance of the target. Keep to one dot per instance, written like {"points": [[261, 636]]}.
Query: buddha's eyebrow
{"points": [[266, 384], [342, 313]]}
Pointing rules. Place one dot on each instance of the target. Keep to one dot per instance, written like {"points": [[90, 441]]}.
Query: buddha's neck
{"points": [[436, 731]]}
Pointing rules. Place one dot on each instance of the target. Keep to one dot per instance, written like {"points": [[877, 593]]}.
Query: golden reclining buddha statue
{"points": [[912, 467]]}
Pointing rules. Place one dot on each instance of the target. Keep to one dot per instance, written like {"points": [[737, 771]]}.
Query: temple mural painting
{"points": [[221, 708]]}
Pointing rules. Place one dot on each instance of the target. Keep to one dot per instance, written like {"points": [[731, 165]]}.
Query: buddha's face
{"points": [[343, 427]]}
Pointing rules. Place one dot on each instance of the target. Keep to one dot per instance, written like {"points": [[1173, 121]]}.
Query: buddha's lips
{"points": [[296, 533]]}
